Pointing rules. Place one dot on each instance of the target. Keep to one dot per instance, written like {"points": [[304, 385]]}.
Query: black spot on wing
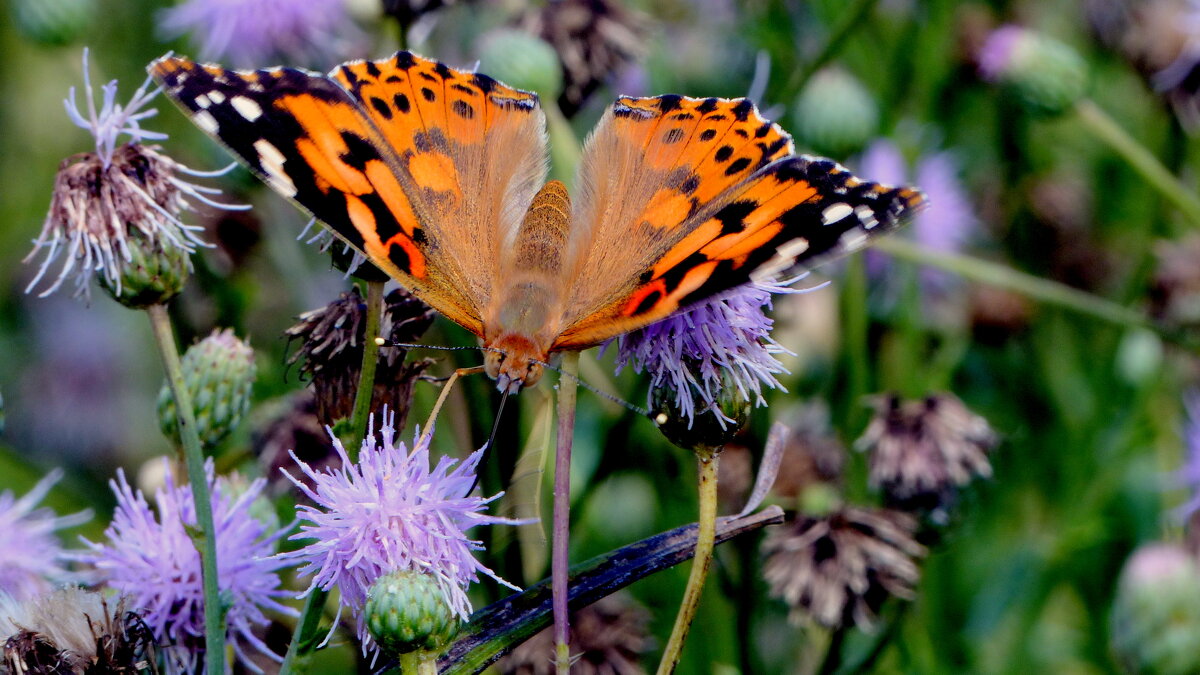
{"points": [[372, 69], [669, 102], [737, 166], [706, 106], [404, 60], [401, 102], [381, 107], [463, 109]]}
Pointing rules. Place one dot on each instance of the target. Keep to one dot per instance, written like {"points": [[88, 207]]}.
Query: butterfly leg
{"points": [[437, 407]]}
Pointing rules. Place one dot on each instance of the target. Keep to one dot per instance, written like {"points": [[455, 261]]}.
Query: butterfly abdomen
{"points": [[543, 234]]}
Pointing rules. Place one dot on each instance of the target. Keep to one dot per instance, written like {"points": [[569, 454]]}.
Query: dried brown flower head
{"points": [[593, 38], [921, 451], [75, 631], [838, 569], [607, 638], [293, 426], [812, 453], [331, 342], [1175, 293]]}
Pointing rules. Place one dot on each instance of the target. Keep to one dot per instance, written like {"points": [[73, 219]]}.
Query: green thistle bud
{"points": [[154, 273], [706, 429], [218, 371], [407, 611], [523, 61], [1045, 73], [1156, 614], [835, 114], [52, 22]]}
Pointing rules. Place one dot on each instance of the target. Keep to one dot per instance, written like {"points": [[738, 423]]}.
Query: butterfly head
{"points": [[514, 362]]}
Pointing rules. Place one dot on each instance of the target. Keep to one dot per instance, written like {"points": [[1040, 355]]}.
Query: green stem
{"points": [[705, 539], [1140, 159], [856, 326], [418, 663], [851, 20], [304, 638], [1042, 290], [206, 542], [366, 374]]}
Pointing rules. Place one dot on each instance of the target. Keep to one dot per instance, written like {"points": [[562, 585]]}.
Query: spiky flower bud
{"points": [[1046, 74], [153, 273], [524, 61], [1156, 613], [406, 611], [218, 372], [693, 429], [835, 114]]}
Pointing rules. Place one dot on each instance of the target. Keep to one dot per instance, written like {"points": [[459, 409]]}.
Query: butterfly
{"points": [[438, 176]]}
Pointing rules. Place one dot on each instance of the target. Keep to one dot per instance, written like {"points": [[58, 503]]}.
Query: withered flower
{"points": [[593, 38], [608, 637], [921, 451], [331, 342], [838, 569]]}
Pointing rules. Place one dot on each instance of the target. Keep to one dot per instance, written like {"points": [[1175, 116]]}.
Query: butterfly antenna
{"points": [[602, 394], [492, 436], [380, 342]]}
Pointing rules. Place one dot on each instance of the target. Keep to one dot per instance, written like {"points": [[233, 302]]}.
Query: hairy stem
{"points": [[705, 540], [206, 542], [304, 638], [559, 558]]}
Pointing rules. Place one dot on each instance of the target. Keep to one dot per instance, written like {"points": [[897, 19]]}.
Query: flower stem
{"points": [[418, 663], [851, 19], [705, 540], [206, 543], [1139, 158], [559, 559], [366, 375], [304, 638], [1042, 290]]}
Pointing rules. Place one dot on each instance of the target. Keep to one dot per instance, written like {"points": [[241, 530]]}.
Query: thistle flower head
{"points": [[71, 630], [251, 33], [330, 353], [391, 511], [695, 354], [838, 568], [32, 559], [115, 213], [150, 557], [1046, 74], [922, 451]]}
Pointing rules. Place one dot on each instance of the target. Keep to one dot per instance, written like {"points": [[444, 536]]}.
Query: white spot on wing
{"points": [[271, 160], [203, 101], [853, 240], [866, 215], [206, 121], [784, 258], [835, 212], [246, 107], [216, 97]]}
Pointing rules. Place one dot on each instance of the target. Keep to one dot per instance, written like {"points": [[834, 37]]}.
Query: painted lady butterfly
{"points": [[438, 176]]}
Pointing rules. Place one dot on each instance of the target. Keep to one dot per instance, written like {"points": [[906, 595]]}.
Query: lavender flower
{"points": [[151, 558], [115, 212], [1189, 474], [31, 557], [949, 221], [390, 511], [1177, 80], [720, 343], [251, 33]]}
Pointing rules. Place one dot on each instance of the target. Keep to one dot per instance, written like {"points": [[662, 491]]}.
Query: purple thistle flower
{"points": [[1189, 473], [995, 58], [948, 222], [698, 352], [31, 556], [390, 511], [152, 559], [251, 33]]}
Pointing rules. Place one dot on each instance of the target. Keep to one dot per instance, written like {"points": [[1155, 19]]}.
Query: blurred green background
{"points": [[1090, 412]]}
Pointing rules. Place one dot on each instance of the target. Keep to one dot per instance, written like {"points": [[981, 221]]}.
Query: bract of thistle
{"points": [[694, 354], [32, 559], [115, 213], [391, 510], [150, 557]]}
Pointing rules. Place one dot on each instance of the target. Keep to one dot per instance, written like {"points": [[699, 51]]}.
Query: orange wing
{"points": [[730, 206], [409, 181]]}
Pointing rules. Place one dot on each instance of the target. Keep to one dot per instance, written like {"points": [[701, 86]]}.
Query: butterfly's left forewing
{"points": [[781, 213]]}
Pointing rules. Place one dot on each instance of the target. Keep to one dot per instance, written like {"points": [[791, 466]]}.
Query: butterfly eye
{"points": [[492, 360]]}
